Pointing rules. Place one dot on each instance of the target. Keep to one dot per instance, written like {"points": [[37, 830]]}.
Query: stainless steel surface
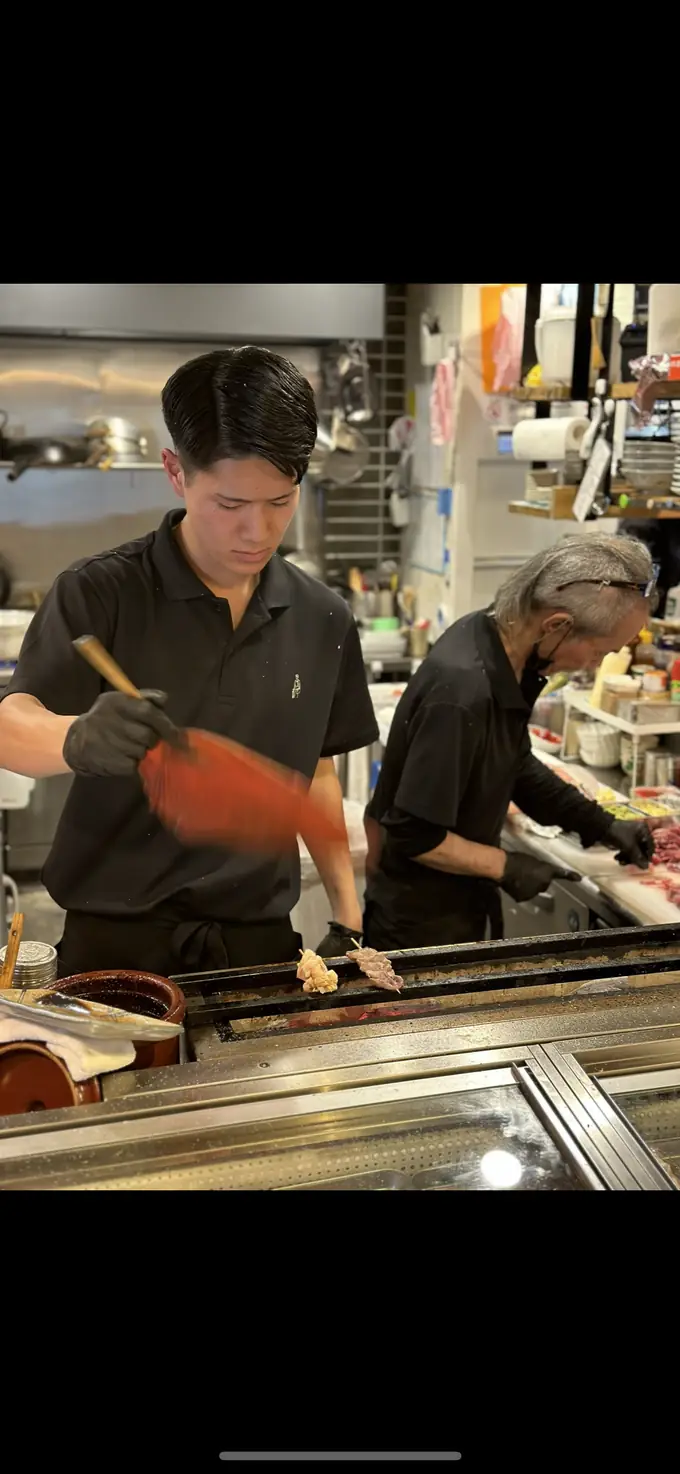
{"points": [[125, 444], [408, 1129], [30, 831], [304, 536], [49, 387], [592, 1107], [86, 1020], [269, 311], [286, 1114], [655, 1116]]}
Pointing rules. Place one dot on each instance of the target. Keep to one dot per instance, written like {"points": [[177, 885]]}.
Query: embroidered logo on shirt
{"points": [[297, 687]]}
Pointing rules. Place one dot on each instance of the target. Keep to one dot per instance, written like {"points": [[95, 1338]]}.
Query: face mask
{"points": [[539, 664]]}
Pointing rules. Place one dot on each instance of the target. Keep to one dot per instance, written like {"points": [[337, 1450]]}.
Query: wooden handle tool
{"points": [[13, 945], [100, 660]]}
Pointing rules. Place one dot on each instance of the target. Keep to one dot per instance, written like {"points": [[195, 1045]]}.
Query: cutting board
{"points": [[650, 907]]}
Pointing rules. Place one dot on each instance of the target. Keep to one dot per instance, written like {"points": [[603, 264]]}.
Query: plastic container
{"points": [[673, 603], [655, 681], [598, 747], [675, 681], [138, 992], [13, 626], [616, 689]]}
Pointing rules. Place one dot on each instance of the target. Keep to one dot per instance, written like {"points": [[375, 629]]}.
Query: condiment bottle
{"points": [[675, 681], [643, 653]]}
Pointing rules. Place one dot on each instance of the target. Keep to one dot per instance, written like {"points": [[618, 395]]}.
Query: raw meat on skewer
{"points": [[377, 968]]}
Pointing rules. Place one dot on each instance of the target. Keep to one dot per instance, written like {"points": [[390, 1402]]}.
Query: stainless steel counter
{"points": [[515, 1099]]}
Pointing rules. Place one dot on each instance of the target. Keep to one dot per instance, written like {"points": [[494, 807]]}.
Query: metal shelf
{"points": [[581, 703], [129, 466]]}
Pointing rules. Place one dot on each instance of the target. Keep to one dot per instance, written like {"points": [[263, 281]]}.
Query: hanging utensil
{"points": [[357, 392], [341, 454]]}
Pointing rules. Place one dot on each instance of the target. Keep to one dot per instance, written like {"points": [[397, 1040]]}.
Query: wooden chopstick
{"points": [[13, 945]]}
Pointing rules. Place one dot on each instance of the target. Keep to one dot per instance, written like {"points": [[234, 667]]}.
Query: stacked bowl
{"points": [[648, 465], [675, 437]]}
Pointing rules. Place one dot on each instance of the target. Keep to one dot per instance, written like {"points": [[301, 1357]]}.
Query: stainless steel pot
{"points": [[123, 439], [341, 454]]}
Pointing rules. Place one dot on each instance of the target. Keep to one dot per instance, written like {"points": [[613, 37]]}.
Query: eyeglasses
{"points": [[645, 589]]}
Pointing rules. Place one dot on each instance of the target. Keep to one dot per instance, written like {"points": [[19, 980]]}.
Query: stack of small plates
{"points": [[675, 437], [648, 465], [36, 965]]}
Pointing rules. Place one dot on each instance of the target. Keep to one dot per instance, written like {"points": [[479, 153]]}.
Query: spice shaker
{"points": [[36, 965]]}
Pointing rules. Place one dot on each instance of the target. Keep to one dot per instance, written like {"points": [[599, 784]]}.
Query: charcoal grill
{"points": [[223, 1006]]}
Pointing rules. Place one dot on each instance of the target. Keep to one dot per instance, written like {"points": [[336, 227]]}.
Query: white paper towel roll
{"points": [[547, 440]]}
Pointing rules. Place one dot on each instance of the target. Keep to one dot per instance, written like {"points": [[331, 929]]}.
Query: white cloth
{"points": [[83, 1057]]}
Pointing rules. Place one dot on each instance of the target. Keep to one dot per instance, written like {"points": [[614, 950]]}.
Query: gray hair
{"points": [[573, 575]]}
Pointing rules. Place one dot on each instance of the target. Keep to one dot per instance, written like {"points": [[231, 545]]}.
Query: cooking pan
{"points": [[47, 453], [341, 454]]}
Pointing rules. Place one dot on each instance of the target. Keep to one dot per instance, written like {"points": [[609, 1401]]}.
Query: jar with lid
{"points": [[36, 965]]}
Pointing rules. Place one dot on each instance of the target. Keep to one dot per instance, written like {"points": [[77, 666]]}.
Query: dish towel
{"points": [[83, 1057]]}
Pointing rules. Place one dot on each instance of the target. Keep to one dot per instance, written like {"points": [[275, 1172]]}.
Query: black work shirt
{"points": [[458, 754], [288, 683]]}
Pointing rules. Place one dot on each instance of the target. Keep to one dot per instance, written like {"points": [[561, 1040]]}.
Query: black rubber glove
{"points": [[337, 941], [525, 877], [633, 840], [113, 736]]}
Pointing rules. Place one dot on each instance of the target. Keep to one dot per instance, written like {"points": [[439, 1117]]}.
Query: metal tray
{"points": [[357, 1182], [129, 1026]]}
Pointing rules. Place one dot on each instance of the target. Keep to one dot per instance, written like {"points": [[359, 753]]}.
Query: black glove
{"points": [[525, 877], [113, 736], [633, 840], [337, 941]]}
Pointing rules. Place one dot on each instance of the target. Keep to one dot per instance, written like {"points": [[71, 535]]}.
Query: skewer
{"points": [[13, 945]]}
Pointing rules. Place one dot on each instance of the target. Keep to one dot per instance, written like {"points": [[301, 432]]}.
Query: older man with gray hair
{"points": [[459, 751]]}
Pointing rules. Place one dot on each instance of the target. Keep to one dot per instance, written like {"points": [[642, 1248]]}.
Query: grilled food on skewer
{"points": [[314, 975], [377, 968]]}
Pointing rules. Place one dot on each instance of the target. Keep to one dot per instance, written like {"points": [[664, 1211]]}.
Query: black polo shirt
{"points": [[458, 754], [288, 683]]}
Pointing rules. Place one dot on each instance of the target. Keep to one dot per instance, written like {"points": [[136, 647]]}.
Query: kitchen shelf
{"points": [[560, 393], [666, 389], [581, 702], [542, 393], [130, 466], [563, 497]]}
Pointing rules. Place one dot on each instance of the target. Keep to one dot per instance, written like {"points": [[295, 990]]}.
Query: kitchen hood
{"points": [[224, 311]]}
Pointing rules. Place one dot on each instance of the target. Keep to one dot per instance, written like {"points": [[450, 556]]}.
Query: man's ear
{"points": [[557, 624], [174, 471]]}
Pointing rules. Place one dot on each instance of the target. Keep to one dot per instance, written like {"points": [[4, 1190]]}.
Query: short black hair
{"points": [[241, 402]]}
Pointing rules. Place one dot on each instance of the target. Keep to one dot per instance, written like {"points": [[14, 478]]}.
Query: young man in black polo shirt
{"points": [[221, 633], [459, 753]]}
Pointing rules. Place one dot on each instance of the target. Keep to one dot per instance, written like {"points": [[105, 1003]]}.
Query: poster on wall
{"points": [[502, 310]]}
